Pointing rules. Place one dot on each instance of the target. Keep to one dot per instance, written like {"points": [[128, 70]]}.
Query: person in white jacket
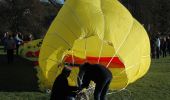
{"points": [[19, 41], [158, 45]]}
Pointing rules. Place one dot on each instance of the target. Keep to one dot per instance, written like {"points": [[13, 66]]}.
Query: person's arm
{"points": [[85, 82], [70, 64], [73, 88], [80, 76], [18, 38]]}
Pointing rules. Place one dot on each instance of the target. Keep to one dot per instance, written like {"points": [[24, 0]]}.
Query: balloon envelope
{"points": [[97, 31]]}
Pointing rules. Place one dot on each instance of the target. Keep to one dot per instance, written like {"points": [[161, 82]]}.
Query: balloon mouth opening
{"points": [[110, 62]]}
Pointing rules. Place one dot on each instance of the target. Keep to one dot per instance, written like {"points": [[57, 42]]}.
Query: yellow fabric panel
{"points": [[146, 59], [50, 51], [88, 14], [118, 22], [146, 62], [95, 28], [31, 46], [131, 51], [119, 80], [87, 46]]}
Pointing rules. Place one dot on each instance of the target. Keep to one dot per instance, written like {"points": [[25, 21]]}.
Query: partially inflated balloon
{"points": [[29, 50], [95, 31]]}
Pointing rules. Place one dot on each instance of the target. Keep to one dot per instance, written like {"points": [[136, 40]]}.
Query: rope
{"points": [[119, 47], [85, 47], [101, 49]]}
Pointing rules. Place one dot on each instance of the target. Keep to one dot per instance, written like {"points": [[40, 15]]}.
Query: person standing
{"points": [[164, 46], [30, 37], [168, 44], [10, 46], [5, 37], [97, 73], [158, 44], [19, 41]]}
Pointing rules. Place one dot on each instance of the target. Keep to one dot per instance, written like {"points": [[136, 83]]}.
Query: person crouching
{"points": [[61, 89]]}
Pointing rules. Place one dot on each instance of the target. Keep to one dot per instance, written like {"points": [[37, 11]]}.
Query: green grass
{"points": [[23, 96], [2, 50], [155, 85]]}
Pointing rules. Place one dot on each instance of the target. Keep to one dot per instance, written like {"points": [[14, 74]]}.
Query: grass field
{"points": [[155, 85]]}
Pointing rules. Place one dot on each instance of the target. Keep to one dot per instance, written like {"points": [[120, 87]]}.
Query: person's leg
{"points": [[5, 48], [157, 53], [98, 90], [8, 56], [105, 89], [17, 48], [163, 54], [12, 55], [53, 91]]}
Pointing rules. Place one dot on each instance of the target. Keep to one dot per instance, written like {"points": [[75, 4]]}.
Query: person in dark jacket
{"points": [[61, 89], [10, 46], [164, 46], [97, 73]]}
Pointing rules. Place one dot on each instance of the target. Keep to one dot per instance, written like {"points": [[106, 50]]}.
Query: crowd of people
{"points": [[11, 42], [160, 46]]}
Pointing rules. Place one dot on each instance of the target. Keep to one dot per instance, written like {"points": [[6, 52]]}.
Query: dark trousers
{"points": [[157, 52], [169, 51], [101, 89], [17, 48], [10, 55], [164, 53]]}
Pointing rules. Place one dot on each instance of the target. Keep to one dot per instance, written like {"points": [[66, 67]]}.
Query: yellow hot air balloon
{"points": [[30, 50], [97, 31]]}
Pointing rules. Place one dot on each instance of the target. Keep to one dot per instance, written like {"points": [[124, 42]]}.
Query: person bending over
{"points": [[97, 73], [61, 89]]}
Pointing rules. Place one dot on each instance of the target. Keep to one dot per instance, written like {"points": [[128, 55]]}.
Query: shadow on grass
{"points": [[18, 76]]}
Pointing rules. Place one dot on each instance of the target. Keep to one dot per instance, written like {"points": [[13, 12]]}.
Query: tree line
{"points": [[153, 14], [33, 16], [26, 16]]}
